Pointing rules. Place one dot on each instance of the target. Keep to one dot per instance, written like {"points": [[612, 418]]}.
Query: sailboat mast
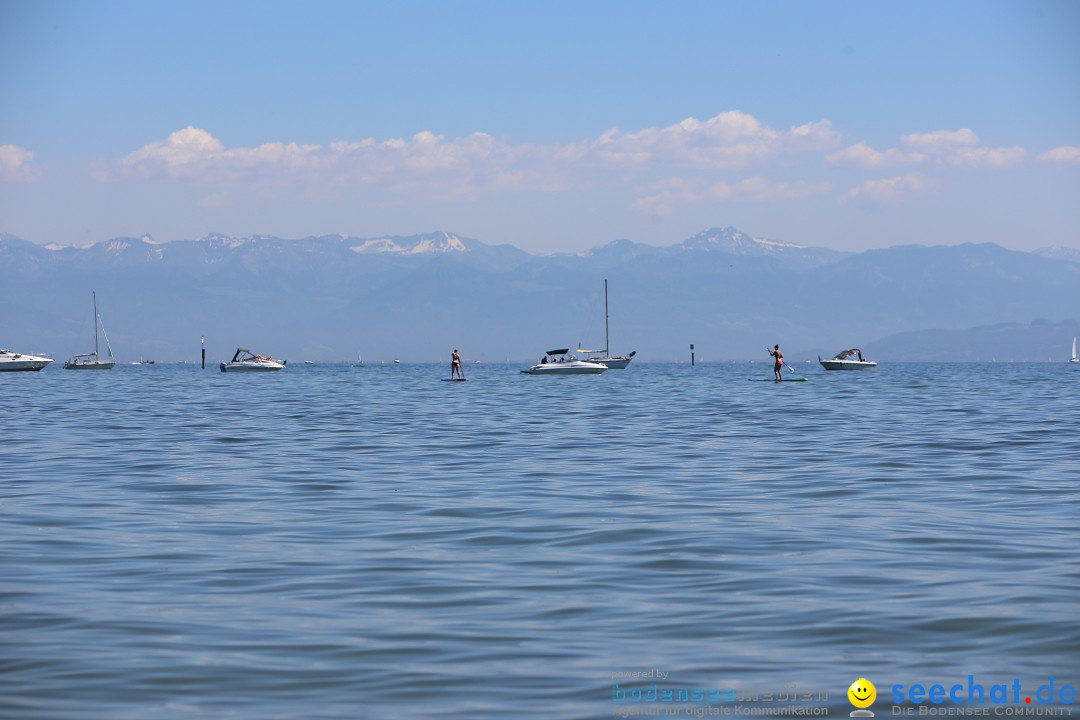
{"points": [[94, 295], [607, 340]]}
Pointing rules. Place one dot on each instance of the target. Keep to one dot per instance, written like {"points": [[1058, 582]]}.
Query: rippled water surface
{"points": [[332, 541]]}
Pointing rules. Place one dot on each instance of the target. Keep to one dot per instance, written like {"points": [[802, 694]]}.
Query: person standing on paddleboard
{"points": [[779, 366], [455, 366]]}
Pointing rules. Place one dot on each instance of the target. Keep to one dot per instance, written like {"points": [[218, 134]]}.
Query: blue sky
{"points": [[554, 126]]}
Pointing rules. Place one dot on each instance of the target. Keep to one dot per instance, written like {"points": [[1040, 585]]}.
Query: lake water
{"points": [[342, 542]]}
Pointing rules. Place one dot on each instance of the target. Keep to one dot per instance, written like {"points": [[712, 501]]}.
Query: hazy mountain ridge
{"points": [[1056, 252], [1040, 340], [417, 296]]}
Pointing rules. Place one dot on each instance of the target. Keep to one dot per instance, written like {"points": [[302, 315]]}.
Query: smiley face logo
{"points": [[862, 693]]}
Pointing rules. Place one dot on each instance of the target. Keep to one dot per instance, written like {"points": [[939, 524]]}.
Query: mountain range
{"points": [[416, 298]]}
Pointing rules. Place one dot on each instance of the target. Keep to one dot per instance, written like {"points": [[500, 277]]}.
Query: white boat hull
{"points": [[847, 364], [13, 361], [612, 363], [243, 360], [251, 367], [574, 367]]}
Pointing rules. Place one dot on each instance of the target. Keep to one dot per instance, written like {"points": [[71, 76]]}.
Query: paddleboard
{"points": [[454, 379], [777, 381]]}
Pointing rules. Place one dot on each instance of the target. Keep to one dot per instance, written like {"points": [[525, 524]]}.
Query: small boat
{"points": [[848, 360], [12, 361], [245, 360], [1074, 358], [618, 362], [143, 362], [603, 357], [557, 362], [309, 362], [92, 361], [359, 361]]}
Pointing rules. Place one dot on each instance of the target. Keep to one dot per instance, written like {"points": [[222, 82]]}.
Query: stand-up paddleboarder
{"points": [[455, 366], [778, 368]]}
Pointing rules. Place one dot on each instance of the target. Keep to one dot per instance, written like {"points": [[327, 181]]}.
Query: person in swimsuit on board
{"points": [[455, 366], [779, 366]]}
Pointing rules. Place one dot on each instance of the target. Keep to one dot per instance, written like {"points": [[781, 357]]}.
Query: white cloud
{"points": [[697, 156], [1063, 154], [184, 151], [729, 140], [940, 141], [672, 194], [668, 196], [812, 136], [194, 153], [862, 154], [15, 164], [760, 189], [950, 147], [889, 188], [986, 157]]}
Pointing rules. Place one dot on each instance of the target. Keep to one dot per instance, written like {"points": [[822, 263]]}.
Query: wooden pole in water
{"points": [[202, 342], [691, 354]]}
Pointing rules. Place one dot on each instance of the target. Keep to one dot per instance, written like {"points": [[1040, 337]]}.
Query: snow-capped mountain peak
{"points": [[732, 241], [440, 242]]}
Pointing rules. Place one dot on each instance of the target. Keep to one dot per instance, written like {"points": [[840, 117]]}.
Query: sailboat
{"points": [[603, 357], [92, 361], [1074, 358]]}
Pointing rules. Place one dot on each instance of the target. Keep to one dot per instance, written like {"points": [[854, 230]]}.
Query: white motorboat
{"points": [[93, 361], [557, 362], [604, 357], [1074, 358], [848, 360], [12, 361], [247, 361]]}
